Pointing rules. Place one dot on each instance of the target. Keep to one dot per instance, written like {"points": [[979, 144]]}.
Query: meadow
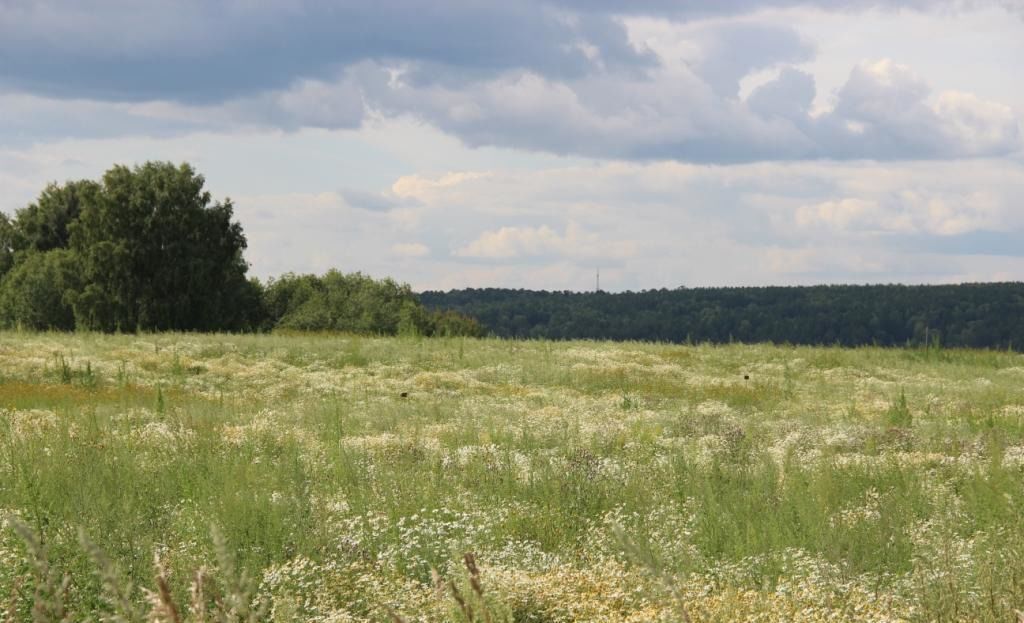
{"points": [[176, 477]]}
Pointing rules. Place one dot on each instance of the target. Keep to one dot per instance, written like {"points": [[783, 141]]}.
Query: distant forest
{"points": [[989, 315]]}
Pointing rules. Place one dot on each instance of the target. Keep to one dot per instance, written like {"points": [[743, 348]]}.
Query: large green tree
{"points": [[146, 248], [45, 224], [156, 253]]}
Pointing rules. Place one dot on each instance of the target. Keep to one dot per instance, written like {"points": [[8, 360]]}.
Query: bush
{"points": [[356, 303]]}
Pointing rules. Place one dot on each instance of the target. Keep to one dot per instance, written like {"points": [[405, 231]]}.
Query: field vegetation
{"points": [[173, 477]]}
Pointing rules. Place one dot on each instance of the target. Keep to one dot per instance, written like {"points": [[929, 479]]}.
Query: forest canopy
{"points": [[984, 315]]}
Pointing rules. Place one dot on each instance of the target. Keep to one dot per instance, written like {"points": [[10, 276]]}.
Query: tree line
{"points": [[989, 315], [147, 249]]}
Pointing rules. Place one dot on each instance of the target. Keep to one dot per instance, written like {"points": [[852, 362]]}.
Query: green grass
{"points": [[837, 483]]}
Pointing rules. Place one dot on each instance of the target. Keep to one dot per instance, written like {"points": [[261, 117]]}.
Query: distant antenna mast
{"points": [[598, 280]]}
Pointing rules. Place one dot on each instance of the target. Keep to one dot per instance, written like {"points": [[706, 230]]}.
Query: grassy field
{"points": [[346, 477]]}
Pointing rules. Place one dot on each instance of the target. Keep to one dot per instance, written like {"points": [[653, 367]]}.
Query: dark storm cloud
{"points": [[202, 51], [557, 76], [214, 50], [883, 112], [681, 9]]}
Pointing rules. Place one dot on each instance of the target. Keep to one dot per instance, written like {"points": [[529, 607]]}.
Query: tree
{"points": [[155, 254], [336, 301], [451, 323], [146, 248], [969, 315], [8, 244], [45, 224], [355, 303], [33, 293], [296, 302]]}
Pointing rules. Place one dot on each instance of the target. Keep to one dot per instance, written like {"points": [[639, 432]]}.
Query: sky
{"points": [[527, 144]]}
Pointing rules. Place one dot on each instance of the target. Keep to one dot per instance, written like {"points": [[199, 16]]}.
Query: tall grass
{"points": [[592, 480]]}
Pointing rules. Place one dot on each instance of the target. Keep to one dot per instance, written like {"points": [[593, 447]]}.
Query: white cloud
{"points": [[410, 249], [909, 212], [425, 188], [980, 126], [665, 224], [844, 214], [702, 160], [513, 242], [883, 111], [506, 243], [658, 224]]}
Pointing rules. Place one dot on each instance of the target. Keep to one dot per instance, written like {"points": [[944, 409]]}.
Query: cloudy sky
{"points": [[455, 143]]}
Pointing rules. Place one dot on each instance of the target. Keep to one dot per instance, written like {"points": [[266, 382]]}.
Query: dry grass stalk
{"points": [[474, 573], [473, 606], [162, 606], [237, 603], [197, 595], [394, 616], [469, 559], [466, 609], [439, 586]]}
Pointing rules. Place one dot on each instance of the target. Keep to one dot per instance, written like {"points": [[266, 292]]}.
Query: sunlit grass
{"points": [[593, 481]]}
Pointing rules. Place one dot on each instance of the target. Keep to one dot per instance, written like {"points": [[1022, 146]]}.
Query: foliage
{"points": [[46, 223], [451, 323], [33, 293], [156, 255], [969, 315], [338, 302], [8, 244], [355, 303], [143, 249], [899, 412]]}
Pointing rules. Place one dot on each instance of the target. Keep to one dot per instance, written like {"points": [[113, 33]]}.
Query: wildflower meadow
{"points": [[180, 477]]}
